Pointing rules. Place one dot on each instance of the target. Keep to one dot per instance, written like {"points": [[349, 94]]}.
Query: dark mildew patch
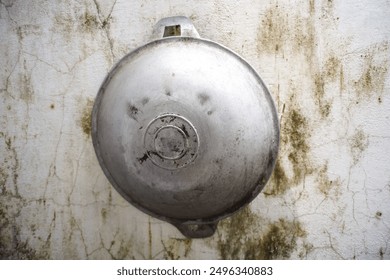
{"points": [[279, 182], [323, 104], [89, 22], [176, 248], [124, 250], [324, 184], [103, 213], [293, 155], [246, 236], [27, 90], [12, 244], [86, 117], [374, 72], [300, 43], [80, 21], [332, 68], [296, 133], [329, 73], [358, 143], [273, 38]]}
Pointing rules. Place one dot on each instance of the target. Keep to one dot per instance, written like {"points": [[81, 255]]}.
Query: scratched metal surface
{"points": [[326, 65]]}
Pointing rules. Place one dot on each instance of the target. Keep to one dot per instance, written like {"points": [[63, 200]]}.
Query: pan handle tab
{"points": [[174, 26], [197, 230]]}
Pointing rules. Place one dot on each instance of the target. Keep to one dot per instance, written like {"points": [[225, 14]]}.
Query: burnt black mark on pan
{"points": [[142, 159], [132, 111], [184, 129], [168, 93], [203, 98], [156, 154], [210, 112], [171, 119]]}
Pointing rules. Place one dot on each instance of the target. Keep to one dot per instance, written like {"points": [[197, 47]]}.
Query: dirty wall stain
{"points": [[327, 81], [281, 32], [12, 247], [246, 236], [358, 143], [374, 72], [86, 117], [325, 185], [85, 21], [176, 248], [299, 44], [9, 167], [124, 251], [293, 162]]}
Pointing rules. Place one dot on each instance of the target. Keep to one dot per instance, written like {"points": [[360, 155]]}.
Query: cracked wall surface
{"points": [[326, 64]]}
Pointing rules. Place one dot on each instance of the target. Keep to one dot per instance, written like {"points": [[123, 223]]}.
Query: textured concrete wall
{"points": [[326, 64]]}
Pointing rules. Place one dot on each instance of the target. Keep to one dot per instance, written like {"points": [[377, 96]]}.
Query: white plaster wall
{"points": [[326, 64]]}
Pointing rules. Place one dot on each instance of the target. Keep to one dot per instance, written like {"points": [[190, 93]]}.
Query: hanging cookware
{"points": [[185, 129]]}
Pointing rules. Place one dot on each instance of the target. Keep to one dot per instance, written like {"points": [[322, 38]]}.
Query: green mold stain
{"points": [[176, 248], [293, 153], [86, 117], [244, 237]]}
